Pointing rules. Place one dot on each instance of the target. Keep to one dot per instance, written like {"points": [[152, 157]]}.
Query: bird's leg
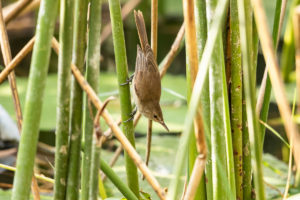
{"points": [[129, 80], [131, 115]]}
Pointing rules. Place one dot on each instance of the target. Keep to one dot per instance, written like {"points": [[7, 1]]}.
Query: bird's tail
{"points": [[141, 28]]}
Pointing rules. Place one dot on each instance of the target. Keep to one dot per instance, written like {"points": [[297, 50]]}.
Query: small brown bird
{"points": [[146, 79]]}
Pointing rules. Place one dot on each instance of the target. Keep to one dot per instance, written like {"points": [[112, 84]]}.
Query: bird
{"points": [[146, 78]]}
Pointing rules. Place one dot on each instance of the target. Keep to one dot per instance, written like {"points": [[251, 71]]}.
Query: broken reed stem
{"points": [[6, 53], [126, 9], [17, 59], [110, 122], [96, 148], [276, 79], [16, 10], [195, 177]]}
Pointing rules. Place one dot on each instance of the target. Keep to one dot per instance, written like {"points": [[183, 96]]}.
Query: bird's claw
{"points": [[132, 114], [129, 80]]}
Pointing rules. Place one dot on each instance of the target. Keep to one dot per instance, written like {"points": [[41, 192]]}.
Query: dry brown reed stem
{"points": [[262, 89], [126, 9], [32, 6], [195, 177], [149, 139], [15, 10], [97, 129], [173, 51], [154, 16], [17, 59], [35, 189], [191, 48], [6, 54], [184, 189], [115, 128], [276, 79], [115, 156]]}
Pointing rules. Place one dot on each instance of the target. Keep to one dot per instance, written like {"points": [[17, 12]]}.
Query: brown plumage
{"points": [[146, 80]]}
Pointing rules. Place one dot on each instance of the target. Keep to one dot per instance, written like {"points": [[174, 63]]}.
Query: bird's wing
{"points": [[147, 84]]}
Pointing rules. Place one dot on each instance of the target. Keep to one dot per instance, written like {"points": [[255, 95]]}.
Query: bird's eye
{"points": [[155, 116]]}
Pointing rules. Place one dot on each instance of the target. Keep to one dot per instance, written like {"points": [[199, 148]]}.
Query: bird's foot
{"points": [[132, 114], [129, 80]]}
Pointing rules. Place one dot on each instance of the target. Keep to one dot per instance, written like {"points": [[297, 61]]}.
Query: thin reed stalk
{"points": [[249, 86], [154, 16], [6, 52], [236, 91], [79, 47], [95, 160], [122, 187], [124, 91], [92, 76], [63, 99], [17, 59], [34, 99]]}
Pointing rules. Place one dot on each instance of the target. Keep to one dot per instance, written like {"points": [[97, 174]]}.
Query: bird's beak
{"points": [[164, 125]]}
